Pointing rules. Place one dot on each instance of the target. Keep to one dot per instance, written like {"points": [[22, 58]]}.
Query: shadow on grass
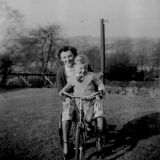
{"points": [[119, 142]]}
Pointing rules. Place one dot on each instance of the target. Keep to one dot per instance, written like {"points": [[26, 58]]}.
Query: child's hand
{"points": [[102, 92], [60, 93], [98, 98]]}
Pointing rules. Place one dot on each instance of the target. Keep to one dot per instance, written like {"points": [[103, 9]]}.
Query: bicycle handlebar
{"points": [[82, 97]]}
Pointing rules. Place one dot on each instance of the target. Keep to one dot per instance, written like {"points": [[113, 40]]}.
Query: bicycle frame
{"points": [[81, 115], [80, 134]]}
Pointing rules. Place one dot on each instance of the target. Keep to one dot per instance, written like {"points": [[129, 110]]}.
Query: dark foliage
{"points": [[118, 67], [5, 68]]}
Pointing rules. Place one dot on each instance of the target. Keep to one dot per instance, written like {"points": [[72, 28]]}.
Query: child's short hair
{"points": [[81, 59]]}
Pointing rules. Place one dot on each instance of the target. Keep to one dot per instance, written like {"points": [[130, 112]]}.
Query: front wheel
{"points": [[80, 143]]}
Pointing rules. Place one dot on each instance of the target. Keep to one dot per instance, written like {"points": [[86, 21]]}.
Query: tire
{"points": [[80, 143], [104, 136], [104, 132]]}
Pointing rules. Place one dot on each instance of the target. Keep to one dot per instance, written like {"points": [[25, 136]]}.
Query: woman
{"points": [[67, 55]]}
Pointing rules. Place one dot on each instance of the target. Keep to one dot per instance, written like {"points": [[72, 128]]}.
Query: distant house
{"points": [[110, 51]]}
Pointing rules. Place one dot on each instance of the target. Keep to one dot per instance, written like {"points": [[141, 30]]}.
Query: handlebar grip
{"points": [[66, 94]]}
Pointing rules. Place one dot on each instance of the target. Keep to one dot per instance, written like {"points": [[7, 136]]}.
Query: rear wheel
{"points": [[104, 133], [80, 143]]}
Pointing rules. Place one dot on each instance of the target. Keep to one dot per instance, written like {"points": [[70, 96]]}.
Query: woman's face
{"points": [[67, 58]]}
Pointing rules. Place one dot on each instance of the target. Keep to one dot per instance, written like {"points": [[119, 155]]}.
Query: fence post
{"points": [[48, 80], [24, 80]]}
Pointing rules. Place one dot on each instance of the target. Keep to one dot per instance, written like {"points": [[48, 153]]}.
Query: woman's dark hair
{"points": [[65, 49]]}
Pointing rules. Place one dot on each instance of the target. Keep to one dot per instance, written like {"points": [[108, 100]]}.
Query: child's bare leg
{"points": [[88, 120], [100, 123]]}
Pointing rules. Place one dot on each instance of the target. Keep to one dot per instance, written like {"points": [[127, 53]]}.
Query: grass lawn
{"points": [[29, 126]]}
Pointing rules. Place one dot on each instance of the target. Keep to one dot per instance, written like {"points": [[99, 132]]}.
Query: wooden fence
{"points": [[29, 80], [36, 80]]}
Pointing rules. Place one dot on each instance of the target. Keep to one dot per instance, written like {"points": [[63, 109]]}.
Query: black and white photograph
{"points": [[79, 79]]}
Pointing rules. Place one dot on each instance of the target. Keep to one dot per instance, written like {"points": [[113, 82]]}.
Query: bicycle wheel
{"points": [[80, 143], [104, 132]]}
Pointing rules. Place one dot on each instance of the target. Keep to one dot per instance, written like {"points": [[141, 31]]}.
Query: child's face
{"points": [[81, 69]]}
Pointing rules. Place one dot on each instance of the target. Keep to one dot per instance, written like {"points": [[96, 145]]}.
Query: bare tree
{"points": [[10, 26], [40, 45]]}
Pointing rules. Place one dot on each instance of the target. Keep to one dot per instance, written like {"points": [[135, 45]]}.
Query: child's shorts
{"points": [[92, 109], [68, 110]]}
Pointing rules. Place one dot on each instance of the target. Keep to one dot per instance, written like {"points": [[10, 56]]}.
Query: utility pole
{"points": [[102, 27]]}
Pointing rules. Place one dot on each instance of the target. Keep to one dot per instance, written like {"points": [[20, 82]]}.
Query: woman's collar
{"points": [[68, 69]]}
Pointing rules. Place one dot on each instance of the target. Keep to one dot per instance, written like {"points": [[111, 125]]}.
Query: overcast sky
{"points": [[127, 18]]}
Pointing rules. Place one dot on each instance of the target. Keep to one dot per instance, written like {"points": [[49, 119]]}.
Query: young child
{"points": [[84, 83]]}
